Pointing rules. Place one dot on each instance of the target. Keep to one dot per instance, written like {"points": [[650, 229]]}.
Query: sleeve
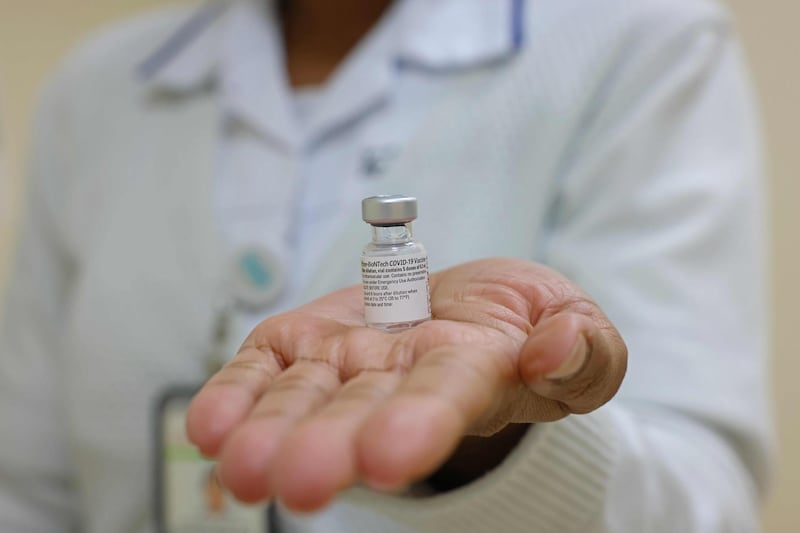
{"points": [[659, 217], [36, 488]]}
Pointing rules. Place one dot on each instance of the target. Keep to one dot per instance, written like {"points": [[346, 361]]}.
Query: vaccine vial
{"points": [[394, 267]]}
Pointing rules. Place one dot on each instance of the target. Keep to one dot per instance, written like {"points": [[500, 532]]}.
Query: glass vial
{"points": [[394, 267]]}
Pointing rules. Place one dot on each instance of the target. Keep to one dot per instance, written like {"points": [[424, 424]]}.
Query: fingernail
{"points": [[573, 363]]}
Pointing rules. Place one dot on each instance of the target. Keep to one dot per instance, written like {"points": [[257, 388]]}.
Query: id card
{"points": [[189, 497]]}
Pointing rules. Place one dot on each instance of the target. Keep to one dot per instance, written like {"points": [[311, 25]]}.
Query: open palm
{"points": [[315, 401]]}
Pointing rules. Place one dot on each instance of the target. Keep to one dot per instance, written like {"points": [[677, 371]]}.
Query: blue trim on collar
{"points": [[517, 24], [500, 36], [185, 34], [192, 29]]}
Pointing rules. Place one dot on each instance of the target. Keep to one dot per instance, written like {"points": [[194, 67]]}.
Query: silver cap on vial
{"points": [[389, 210]]}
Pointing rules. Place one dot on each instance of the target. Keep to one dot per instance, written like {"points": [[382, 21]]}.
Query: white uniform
{"points": [[613, 140]]}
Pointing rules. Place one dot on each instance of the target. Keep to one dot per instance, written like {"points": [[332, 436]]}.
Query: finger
{"points": [[572, 359], [448, 391], [228, 396], [249, 452], [317, 459]]}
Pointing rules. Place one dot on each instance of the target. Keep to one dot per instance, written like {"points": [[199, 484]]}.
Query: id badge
{"points": [[189, 497]]}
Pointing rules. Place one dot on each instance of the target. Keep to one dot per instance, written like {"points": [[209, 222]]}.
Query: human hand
{"points": [[315, 401]]}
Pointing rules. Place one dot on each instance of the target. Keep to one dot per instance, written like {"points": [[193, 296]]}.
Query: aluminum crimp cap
{"points": [[389, 210]]}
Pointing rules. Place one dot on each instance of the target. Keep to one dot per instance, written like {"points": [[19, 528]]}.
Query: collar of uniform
{"points": [[439, 34], [455, 34], [252, 74], [232, 44], [188, 59]]}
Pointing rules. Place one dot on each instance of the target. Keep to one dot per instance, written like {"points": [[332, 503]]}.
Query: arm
{"points": [[661, 221], [35, 478], [659, 218]]}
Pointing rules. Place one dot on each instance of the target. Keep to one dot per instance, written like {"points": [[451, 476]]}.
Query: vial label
{"points": [[395, 288]]}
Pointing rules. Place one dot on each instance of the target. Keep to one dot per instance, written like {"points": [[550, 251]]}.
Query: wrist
{"points": [[475, 457]]}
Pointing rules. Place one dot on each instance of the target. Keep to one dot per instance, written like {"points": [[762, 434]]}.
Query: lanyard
{"points": [[217, 354]]}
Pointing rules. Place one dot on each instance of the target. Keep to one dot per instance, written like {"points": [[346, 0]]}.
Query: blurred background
{"points": [[34, 35]]}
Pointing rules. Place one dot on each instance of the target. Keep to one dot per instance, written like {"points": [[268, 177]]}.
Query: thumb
{"points": [[574, 358]]}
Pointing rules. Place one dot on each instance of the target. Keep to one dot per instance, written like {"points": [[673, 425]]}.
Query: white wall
{"points": [[769, 30]]}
